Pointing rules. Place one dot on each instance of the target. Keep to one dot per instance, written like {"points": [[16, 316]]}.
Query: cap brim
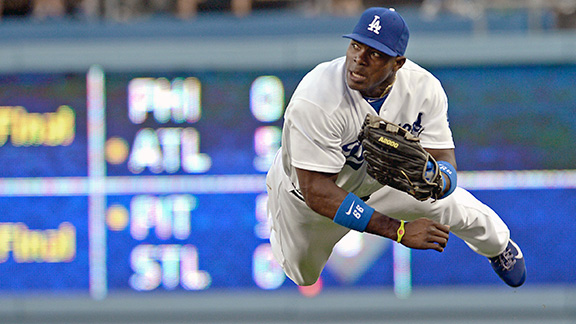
{"points": [[372, 43]]}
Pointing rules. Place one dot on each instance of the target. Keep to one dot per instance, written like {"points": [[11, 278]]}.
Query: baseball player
{"points": [[318, 186]]}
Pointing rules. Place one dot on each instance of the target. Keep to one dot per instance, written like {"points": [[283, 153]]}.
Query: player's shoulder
{"points": [[330, 73], [324, 85], [415, 70], [417, 76]]}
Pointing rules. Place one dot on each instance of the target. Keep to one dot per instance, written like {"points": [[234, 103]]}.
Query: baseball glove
{"points": [[395, 158]]}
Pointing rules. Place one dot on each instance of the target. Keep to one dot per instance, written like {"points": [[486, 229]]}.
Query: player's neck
{"points": [[385, 92]]}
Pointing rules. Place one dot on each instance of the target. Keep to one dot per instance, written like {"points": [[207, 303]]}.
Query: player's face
{"points": [[370, 71]]}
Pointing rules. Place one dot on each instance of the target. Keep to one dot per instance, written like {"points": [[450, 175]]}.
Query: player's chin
{"points": [[356, 84]]}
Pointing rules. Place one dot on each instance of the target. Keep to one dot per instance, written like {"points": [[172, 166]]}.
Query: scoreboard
{"points": [[146, 182], [129, 182]]}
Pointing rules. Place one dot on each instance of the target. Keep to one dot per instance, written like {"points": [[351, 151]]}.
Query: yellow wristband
{"points": [[401, 231]]}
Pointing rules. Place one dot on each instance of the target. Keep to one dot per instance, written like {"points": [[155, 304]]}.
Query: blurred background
{"points": [[135, 136]]}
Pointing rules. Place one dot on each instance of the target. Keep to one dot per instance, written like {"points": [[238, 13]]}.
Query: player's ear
{"points": [[399, 62]]}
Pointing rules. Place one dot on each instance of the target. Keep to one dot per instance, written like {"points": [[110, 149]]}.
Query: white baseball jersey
{"points": [[324, 118]]}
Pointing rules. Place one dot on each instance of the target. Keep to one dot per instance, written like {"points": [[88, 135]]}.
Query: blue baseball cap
{"points": [[382, 29]]}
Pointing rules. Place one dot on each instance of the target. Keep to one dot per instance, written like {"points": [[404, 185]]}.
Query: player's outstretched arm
{"points": [[323, 196]]}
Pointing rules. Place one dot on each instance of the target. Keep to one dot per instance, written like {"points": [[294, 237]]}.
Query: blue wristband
{"points": [[449, 170], [353, 213]]}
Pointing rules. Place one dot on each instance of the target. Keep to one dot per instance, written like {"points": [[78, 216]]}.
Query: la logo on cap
{"points": [[375, 25], [382, 29]]}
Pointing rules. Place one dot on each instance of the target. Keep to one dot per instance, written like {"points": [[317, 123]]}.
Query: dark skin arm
{"points": [[324, 197], [444, 155]]}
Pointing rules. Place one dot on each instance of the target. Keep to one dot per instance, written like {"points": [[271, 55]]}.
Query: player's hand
{"points": [[425, 234]]}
